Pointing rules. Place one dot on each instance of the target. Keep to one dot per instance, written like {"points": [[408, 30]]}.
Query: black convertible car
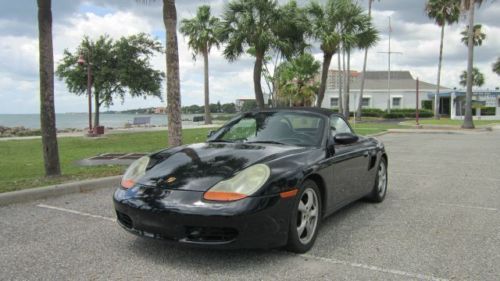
{"points": [[263, 180]]}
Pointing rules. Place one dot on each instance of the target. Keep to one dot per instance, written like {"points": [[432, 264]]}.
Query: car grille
{"points": [[124, 219], [210, 234]]}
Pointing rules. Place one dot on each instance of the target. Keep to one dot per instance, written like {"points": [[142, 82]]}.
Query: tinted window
{"points": [[338, 125], [294, 128]]}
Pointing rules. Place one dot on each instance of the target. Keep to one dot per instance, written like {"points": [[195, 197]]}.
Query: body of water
{"points": [[81, 121]]}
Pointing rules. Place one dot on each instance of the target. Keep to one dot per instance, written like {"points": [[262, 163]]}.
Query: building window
{"points": [[334, 102], [396, 102], [498, 102], [365, 102]]}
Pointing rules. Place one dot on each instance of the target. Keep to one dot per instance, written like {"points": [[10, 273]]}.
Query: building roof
{"points": [[401, 80], [323, 111]]}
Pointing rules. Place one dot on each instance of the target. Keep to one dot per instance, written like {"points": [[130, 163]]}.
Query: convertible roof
{"points": [[323, 111]]}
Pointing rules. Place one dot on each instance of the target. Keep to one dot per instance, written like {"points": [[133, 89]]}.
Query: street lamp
{"points": [[81, 61]]}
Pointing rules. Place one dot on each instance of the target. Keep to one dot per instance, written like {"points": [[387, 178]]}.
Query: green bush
{"points": [[427, 104], [488, 111], [394, 115], [370, 112]]}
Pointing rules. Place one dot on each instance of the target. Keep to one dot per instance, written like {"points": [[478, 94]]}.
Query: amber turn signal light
{"points": [[223, 196], [289, 193]]}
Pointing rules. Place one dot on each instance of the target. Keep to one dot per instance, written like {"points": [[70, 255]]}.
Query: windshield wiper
{"points": [[269, 141]]}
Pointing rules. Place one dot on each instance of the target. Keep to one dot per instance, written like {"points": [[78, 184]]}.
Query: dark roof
{"points": [[323, 111]]}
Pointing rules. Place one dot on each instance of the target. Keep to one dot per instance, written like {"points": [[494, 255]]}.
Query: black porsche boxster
{"points": [[263, 180]]}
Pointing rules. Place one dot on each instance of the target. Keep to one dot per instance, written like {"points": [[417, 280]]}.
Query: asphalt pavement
{"points": [[440, 221]]}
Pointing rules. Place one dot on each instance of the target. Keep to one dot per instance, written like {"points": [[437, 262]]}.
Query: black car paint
{"points": [[167, 210]]}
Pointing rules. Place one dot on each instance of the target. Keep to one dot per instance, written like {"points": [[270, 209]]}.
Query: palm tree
{"points": [[478, 35], [260, 26], [357, 32], [173, 80], [297, 79], [496, 66], [202, 31], [469, 5], [477, 78], [360, 101], [443, 12], [47, 111], [324, 26]]}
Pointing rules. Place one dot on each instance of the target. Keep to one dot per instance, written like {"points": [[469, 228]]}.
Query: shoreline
{"points": [[109, 131]]}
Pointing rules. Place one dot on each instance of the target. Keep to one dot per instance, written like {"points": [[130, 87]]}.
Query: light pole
{"points": [[81, 61]]}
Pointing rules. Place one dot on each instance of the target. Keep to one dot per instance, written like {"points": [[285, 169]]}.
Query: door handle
{"points": [[365, 154]]}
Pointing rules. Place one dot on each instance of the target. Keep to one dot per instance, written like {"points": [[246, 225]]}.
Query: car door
{"points": [[349, 163]]}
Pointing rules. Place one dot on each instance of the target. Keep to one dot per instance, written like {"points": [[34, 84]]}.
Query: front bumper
{"points": [[184, 217]]}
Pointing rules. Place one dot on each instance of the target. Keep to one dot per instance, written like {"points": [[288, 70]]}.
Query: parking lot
{"points": [[440, 221]]}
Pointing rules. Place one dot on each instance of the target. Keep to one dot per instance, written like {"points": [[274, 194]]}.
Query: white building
{"points": [[486, 104], [402, 93]]}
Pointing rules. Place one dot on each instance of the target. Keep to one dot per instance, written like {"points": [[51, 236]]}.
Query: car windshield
{"points": [[287, 128]]}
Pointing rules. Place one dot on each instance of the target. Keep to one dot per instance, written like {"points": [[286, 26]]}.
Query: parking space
{"points": [[440, 221]]}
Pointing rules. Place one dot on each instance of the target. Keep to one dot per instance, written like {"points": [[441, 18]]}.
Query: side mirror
{"points": [[345, 138], [211, 133]]}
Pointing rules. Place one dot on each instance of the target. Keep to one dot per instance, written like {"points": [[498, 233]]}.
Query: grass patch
{"points": [[374, 128], [22, 161]]}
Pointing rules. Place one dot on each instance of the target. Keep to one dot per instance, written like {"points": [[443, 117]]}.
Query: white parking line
{"points": [[376, 268], [469, 207], [75, 212], [334, 261]]}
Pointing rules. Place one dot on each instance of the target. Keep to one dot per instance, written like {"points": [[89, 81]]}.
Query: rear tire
{"points": [[306, 218], [380, 186]]}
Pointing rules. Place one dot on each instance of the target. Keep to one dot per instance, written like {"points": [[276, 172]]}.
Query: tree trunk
{"points": [[468, 123], [208, 116], [358, 112], [345, 77], [348, 86], [47, 111], [257, 73], [340, 83], [436, 96], [327, 58], [173, 83], [96, 110]]}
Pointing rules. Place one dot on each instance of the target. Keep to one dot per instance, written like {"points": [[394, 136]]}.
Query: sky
{"points": [[414, 34]]}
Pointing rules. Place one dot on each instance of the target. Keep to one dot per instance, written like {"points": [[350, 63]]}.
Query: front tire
{"points": [[306, 218], [380, 186]]}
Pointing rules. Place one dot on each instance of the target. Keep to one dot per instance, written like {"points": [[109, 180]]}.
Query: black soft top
{"points": [[322, 111]]}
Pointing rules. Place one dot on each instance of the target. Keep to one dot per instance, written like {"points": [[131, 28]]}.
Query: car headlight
{"points": [[242, 185], [136, 170]]}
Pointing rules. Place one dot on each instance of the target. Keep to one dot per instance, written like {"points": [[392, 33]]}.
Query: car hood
{"points": [[198, 167]]}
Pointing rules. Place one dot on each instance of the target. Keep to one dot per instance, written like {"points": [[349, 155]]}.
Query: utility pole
{"points": [[389, 53]]}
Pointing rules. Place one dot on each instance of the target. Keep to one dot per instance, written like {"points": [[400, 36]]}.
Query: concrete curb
{"points": [[36, 193]]}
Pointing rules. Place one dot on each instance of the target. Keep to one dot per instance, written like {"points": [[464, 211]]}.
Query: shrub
{"points": [[488, 111], [427, 104], [394, 115]]}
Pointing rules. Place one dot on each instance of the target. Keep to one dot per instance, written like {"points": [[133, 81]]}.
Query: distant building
{"points": [[159, 110], [486, 104], [375, 95], [239, 102]]}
